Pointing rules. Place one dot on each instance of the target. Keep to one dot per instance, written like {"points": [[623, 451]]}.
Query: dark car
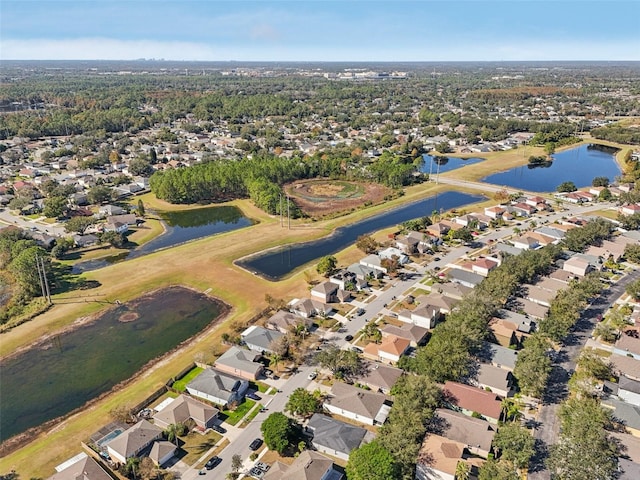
{"points": [[436, 259], [348, 338], [213, 461], [360, 311], [218, 428], [256, 444], [253, 396]]}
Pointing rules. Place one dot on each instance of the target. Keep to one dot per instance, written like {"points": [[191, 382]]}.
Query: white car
{"points": [[312, 375]]}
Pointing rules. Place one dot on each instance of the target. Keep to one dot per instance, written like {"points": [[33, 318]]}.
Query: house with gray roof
{"points": [[476, 433], [451, 290], [309, 307], [218, 387], [496, 379], [284, 321], [80, 467], [468, 279], [414, 333], [374, 262], [364, 406], [260, 339], [625, 414], [498, 356], [240, 362], [629, 391], [507, 249], [133, 441], [379, 377], [362, 272], [334, 437], [161, 452], [184, 408], [627, 366]]}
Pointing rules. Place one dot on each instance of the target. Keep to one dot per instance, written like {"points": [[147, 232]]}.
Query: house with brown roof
{"points": [[439, 457], [475, 433], [309, 465], [539, 295], [468, 399], [133, 441], [629, 343], [532, 309], [364, 406], [309, 307], [389, 350], [626, 366], [184, 408], [504, 332], [495, 212], [80, 467], [284, 321], [379, 377], [451, 290], [443, 303], [414, 333]]}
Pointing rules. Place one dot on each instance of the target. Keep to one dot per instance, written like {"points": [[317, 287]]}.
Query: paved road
{"points": [[548, 427], [8, 218], [487, 187]]}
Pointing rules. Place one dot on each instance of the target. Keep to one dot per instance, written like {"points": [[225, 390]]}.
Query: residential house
{"points": [[127, 218], [468, 279], [364, 273], [532, 309], [161, 452], [627, 366], [551, 231], [218, 387], [475, 433], [379, 377], [542, 239], [285, 322], [438, 229], [416, 334], [482, 266], [629, 391], [498, 356], [389, 350], [551, 284], [577, 266], [525, 242], [309, 307], [563, 276], [260, 339], [109, 210], [407, 244], [334, 437], [438, 458], [523, 209], [468, 399], [624, 414], [88, 240], [80, 467], [133, 441], [506, 249], [309, 465], [113, 226], [240, 362], [629, 343], [443, 303], [630, 209], [344, 279], [425, 316], [539, 295], [364, 406], [184, 408], [373, 261], [495, 379], [504, 332], [391, 252], [451, 290], [495, 212], [330, 292]]}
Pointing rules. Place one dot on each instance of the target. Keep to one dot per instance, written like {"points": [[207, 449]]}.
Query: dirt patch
{"points": [[128, 317], [318, 198]]}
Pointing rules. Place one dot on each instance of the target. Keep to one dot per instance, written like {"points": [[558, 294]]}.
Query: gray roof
{"points": [[261, 337], [509, 249], [624, 412], [216, 383], [629, 385], [461, 276], [498, 355], [495, 377], [462, 428], [240, 359], [627, 366], [85, 468], [334, 434], [379, 375], [309, 465], [551, 232], [134, 439], [356, 400], [183, 408]]}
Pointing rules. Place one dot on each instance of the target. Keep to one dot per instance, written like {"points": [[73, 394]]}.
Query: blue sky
{"points": [[321, 30]]}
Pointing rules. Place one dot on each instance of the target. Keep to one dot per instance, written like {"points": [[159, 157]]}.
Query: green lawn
{"points": [[251, 416], [262, 387], [181, 385], [234, 416], [195, 445]]}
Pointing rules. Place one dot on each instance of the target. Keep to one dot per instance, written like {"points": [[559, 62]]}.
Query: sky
{"points": [[320, 30]]}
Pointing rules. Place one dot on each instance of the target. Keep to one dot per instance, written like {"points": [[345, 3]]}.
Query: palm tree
{"points": [[274, 358], [463, 470], [511, 409], [172, 432]]}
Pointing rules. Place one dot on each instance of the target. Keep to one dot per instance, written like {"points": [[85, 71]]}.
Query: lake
{"points": [[51, 380], [180, 227], [275, 264], [440, 164], [579, 165]]}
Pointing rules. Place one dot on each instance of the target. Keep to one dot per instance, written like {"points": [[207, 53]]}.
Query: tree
{"points": [[566, 187], [493, 469], [327, 265], [100, 194], [605, 195], [130, 468], [593, 365], [140, 166], [55, 207], [122, 413], [175, 430], [632, 253], [372, 461], [115, 239], [515, 444], [533, 366], [340, 362], [633, 289], [392, 264], [372, 332], [236, 463], [366, 244], [147, 470], [78, 224], [278, 431], [303, 403], [600, 182], [463, 470], [141, 211]]}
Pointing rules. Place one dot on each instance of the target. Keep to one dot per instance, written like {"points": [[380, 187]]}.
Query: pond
{"points": [[52, 379], [275, 264], [440, 164], [180, 227], [579, 165]]}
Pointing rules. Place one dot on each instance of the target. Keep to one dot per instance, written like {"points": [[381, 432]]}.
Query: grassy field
{"points": [[181, 385], [196, 444], [234, 416]]}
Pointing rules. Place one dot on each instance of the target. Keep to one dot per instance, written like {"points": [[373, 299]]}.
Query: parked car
{"points": [[436, 259], [218, 428], [312, 375], [256, 444], [348, 338], [357, 349], [213, 461], [253, 396], [360, 311]]}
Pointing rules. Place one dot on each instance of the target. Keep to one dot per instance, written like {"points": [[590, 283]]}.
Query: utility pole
{"points": [[44, 294], [42, 278], [288, 214], [281, 216], [46, 282]]}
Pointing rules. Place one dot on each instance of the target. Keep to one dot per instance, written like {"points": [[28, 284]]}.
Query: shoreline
{"points": [[20, 440]]}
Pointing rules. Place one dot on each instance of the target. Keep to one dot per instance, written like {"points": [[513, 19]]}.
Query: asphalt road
{"points": [[548, 423]]}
